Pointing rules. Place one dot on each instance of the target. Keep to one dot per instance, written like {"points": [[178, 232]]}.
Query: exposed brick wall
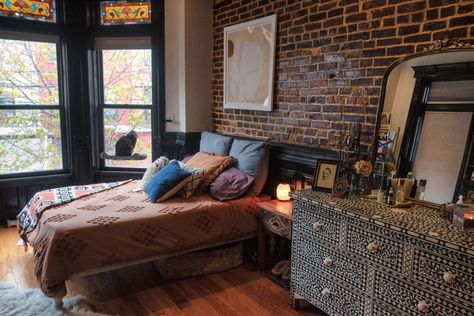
{"points": [[331, 54]]}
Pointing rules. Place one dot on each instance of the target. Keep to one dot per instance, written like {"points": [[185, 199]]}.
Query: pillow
{"points": [[153, 169], [215, 143], [252, 158], [213, 164], [166, 180], [192, 182], [186, 158], [230, 184]]}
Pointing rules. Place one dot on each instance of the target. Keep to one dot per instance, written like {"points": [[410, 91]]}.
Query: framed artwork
{"points": [[325, 175], [470, 197], [249, 62]]}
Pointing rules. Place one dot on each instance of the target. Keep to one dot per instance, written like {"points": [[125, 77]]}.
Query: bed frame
{"points": [[58, 300], [285, 161]]}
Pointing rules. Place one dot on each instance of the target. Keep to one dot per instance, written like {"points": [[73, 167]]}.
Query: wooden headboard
{"points": [[286, 160]]}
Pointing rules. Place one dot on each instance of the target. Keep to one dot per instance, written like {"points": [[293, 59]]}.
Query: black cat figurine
{"points": [[126, 144]]}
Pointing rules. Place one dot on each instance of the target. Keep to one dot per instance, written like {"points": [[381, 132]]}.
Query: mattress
{"points": [[121, 225]]}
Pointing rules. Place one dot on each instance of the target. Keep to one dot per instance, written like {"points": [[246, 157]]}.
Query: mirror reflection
{"points": [[426, 125]]}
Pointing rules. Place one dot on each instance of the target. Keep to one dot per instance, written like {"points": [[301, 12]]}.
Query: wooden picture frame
{"points": [[249, 63], [325, 175]]}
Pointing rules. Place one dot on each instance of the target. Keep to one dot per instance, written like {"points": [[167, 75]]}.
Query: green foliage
{"points": [[30, 140]]}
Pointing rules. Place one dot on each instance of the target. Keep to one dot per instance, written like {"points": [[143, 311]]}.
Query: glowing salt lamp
{"points": [[283, 192]]}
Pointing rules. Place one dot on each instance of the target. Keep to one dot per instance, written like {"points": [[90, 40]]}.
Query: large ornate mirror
{"points": [[426, 122]]}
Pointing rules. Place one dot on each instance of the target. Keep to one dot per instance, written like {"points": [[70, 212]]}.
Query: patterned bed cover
{"points": [[120, 225]]}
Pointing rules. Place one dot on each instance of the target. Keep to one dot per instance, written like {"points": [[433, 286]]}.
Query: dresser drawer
{"points": [[448, 275], [381, 250], [407, 298], [330, 262], [318, 222], [329, 296]]}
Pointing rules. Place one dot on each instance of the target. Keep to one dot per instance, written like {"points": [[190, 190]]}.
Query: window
{"points": [[127, 98], [451, 92], [125, 12], [38, 10], [30, 108]]}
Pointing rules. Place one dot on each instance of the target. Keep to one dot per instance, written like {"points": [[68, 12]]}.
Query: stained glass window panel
{"points": [[127, 76], [125, 12], [38, 10]]}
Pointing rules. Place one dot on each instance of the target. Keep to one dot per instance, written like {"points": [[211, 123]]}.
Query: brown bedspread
{"points": [[120, 225]]}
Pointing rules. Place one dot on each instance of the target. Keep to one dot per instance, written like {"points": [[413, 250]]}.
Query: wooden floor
{"points": [[139, 290]]}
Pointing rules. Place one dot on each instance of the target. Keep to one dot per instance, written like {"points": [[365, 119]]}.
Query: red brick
{"points": [[432, 26], [405, 30], [411, 7], [331, 53], [465, 20]]}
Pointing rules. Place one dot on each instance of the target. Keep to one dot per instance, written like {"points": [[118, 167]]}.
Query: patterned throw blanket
{"points": [[41, 201]]}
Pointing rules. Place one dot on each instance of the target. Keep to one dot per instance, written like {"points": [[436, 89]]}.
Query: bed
{"points": [[120, 227]]}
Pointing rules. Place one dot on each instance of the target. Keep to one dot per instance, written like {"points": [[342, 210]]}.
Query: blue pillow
{"points": [[165, 180], [215, 143], [252, 158]]}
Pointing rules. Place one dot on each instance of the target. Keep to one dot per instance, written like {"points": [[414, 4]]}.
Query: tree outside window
{"points": [[30, 110]]}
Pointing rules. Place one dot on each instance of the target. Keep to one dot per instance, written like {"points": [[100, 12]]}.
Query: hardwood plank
{"points": [[140, 290]]}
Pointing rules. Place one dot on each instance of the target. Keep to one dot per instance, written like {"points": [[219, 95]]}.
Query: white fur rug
{"points": [[26, 302]]}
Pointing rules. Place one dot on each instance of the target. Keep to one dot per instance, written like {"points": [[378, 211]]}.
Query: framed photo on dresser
{"points": [[325, 175]]}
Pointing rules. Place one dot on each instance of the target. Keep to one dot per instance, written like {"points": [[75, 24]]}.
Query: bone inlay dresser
{"points": [[356, 257]]}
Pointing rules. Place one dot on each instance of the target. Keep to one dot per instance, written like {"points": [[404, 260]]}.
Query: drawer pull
{"points": [[373, 247], [326, 292], [449, 277], [423, 307], [317, 226], [327, 262]]}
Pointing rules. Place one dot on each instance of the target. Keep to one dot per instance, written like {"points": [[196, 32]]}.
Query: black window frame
{"points": [[102, 106], [14, 28], [425, 75], [154, 31]]}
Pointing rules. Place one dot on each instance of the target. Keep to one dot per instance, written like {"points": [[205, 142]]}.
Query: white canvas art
{"points": [[249, 58]]}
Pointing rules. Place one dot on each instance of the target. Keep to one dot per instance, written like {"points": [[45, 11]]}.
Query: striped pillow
{"points": [[192, 182]]}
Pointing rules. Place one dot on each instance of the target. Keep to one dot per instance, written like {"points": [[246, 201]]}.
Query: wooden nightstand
{"points": [[275, 217]]}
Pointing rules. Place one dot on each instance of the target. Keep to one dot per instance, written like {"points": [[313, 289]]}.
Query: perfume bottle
{"points": [[381, 195], [420, 190], [413, 189], [400, 196], [390, 200]]}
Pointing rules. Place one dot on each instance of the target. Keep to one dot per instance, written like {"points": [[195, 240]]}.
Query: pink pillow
{"points": [[186, 158], [230, 184]]}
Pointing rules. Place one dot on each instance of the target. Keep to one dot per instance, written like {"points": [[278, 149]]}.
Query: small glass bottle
{"points": [[390, 200], [413, 189], [400, 197], [381, 198], [420, 190]]}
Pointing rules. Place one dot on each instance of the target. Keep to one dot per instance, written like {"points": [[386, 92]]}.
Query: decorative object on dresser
{"points": [[463, 217], [357, 257], [470, 196], [275, 217], [325, 175], [283, 192]]}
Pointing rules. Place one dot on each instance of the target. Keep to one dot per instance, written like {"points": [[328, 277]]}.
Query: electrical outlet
{"points": [[169, 118]]}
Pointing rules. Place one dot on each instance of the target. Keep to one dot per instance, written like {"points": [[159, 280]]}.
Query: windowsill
{"points": [[107, 173], [18, 178]]}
